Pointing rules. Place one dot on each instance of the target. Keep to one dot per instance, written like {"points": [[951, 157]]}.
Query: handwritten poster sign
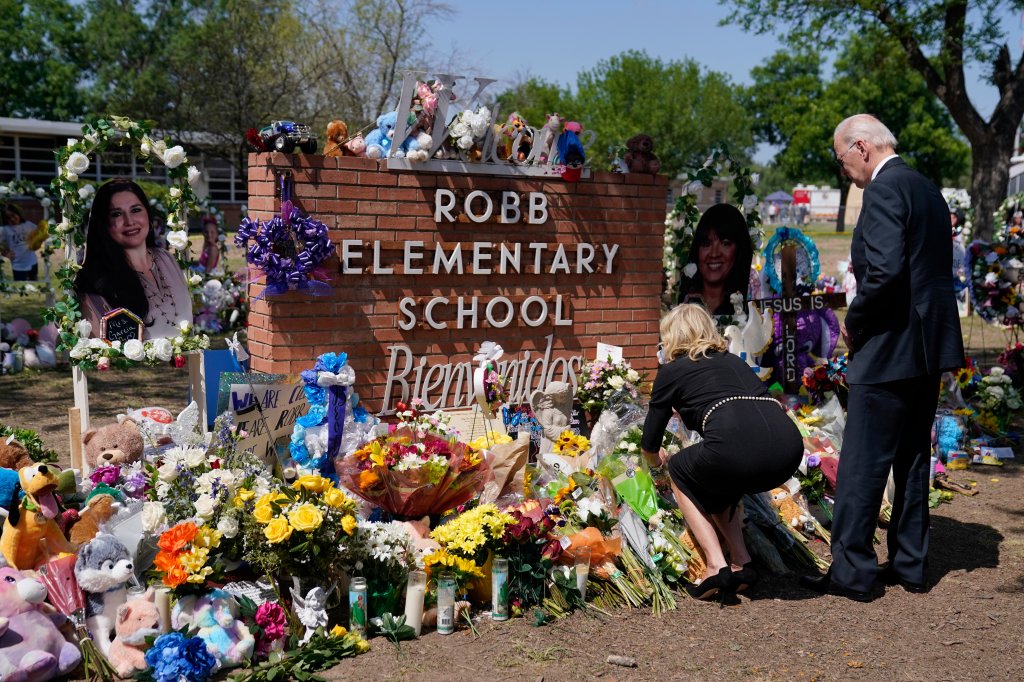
{"points": [[267, 413], [121, 325]]}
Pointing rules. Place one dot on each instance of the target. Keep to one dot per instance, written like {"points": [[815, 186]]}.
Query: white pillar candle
{"points": [[414, 594], [163, 605]]}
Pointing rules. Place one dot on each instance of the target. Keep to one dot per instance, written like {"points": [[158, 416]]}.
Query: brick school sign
{"points": [[430, 265]]}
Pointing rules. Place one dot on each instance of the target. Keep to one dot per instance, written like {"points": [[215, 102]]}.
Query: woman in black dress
{"points": [[749, 443]]}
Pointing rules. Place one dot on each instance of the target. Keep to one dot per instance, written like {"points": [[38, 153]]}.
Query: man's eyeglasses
{"points": [[839, 158]]}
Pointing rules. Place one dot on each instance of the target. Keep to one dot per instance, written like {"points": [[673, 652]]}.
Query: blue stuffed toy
{"points": [[380, 141]]}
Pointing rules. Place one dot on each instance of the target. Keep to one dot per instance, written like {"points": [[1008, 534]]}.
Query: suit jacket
{"points": [[903, 323]]}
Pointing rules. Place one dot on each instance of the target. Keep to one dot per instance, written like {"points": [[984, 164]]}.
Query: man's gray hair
{"points": [[864, 127]]}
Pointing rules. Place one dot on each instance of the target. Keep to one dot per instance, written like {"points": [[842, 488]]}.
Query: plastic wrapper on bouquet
{"points": [[411, 474]]}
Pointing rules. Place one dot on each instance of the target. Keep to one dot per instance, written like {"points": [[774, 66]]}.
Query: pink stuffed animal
{"points": [[31, 647], [136, 620]]}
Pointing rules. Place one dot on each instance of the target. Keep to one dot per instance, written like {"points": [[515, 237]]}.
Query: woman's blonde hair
{"points": [[689, 330]]}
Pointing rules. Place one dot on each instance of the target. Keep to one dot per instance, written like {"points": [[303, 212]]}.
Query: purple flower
{"points": [[813, 461], [108, 475], [135, 484]]}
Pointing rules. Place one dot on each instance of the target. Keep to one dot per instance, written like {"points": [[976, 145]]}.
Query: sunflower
{"points": [[964, 376]]}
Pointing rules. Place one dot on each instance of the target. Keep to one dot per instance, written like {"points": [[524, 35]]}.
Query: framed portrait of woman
{"points": [[719, 261], [113, 259]]}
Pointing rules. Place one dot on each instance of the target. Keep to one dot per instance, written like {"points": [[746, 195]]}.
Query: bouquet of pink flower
{"points": [[601, 379]]}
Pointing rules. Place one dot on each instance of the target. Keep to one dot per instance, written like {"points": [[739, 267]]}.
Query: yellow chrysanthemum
{"points": [[440, 560], [200, 576], [306, 518], [278, 530]]}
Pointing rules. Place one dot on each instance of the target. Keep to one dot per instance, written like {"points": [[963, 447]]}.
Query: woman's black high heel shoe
{"points": [[746, 577], [717, 587]]}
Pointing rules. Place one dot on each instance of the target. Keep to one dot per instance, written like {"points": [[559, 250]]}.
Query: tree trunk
{"points": [[844, 191], [990, 173]]}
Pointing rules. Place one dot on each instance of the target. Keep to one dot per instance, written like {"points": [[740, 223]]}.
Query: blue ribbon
{"points": [[337, 401]]}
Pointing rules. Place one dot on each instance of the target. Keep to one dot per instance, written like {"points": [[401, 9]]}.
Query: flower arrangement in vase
{"points": [[299, 530], [472, 536], [383, 554], [996, 399]]}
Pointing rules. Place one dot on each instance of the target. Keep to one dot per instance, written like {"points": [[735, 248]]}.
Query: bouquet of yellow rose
{"points": [[414, 471], [299, 530]]}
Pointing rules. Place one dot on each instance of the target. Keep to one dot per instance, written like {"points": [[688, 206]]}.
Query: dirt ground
{"points": [[970, 626]]}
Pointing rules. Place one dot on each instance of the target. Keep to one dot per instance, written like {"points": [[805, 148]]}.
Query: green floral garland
{"points": [[76, 194], [683, 218], [27, 188]]}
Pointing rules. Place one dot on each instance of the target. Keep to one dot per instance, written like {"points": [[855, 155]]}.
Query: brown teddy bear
{"points": [[334, 138], [13, 455], [119, 443], [101, 509], [641, 158]]}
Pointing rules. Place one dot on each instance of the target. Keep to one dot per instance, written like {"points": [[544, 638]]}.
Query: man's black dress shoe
{"points": [[887, 576], [822, 584]]}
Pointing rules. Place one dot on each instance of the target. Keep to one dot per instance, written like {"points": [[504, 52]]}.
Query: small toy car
{"points": [[285, 135]]}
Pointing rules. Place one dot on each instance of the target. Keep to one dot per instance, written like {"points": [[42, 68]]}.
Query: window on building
{"points": [[34, 159]]}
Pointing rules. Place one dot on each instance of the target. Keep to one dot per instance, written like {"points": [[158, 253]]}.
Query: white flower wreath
{"points": [[76, 194]]}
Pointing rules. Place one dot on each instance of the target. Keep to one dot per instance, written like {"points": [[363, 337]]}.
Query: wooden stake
{"points": [[197, 386], [81, 388], [75, 434]]}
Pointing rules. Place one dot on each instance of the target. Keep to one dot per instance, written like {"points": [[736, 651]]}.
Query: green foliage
{"points": [[32, 442], [686, 111], [40, 59], [873, 72], [796, 110], [937, 38], [395, 629], [534, 99], [321, 652]]}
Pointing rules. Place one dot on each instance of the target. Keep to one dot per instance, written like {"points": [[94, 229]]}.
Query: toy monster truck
{"points": [[285, 135]]}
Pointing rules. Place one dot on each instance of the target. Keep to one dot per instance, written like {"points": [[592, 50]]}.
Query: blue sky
{"points": [[556, 40]]}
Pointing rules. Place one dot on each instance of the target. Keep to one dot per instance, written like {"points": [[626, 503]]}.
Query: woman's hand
{"points": [[664, 456], [655, 459]]}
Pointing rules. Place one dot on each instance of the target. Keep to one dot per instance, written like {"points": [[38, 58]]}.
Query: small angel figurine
{"points": [[311, 610]]}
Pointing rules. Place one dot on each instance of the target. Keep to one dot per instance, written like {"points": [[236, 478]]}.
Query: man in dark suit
{"points": [[903, 331]]}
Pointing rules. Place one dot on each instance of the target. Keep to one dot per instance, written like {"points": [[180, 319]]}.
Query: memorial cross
{"points": [[788, 305]]}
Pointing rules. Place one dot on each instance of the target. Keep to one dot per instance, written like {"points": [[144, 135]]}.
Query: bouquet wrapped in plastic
{"points": [[418, 469], [62, 591]]}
